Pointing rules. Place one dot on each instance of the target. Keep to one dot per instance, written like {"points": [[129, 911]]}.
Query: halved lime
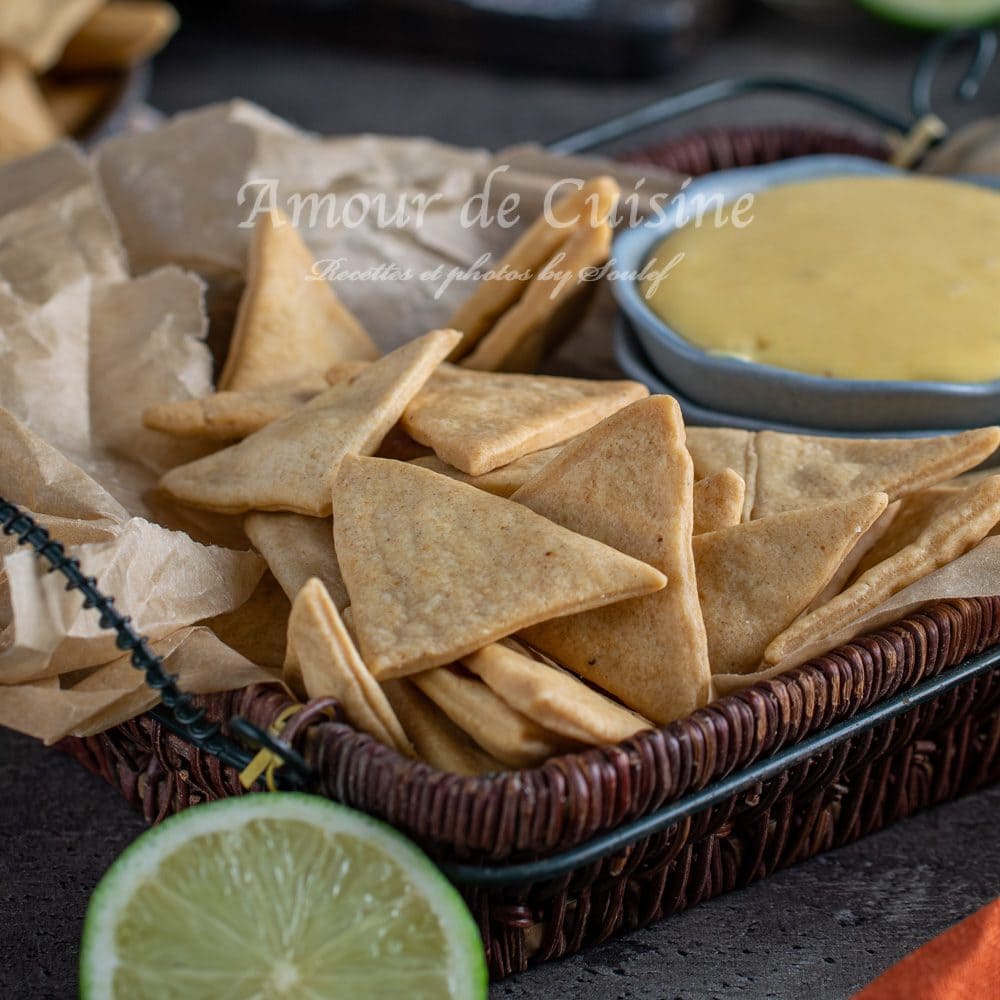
{"points": [[936, 14], [277, 895]]}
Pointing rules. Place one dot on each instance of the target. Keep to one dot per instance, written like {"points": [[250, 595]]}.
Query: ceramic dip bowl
{"points": [[778, 395]]}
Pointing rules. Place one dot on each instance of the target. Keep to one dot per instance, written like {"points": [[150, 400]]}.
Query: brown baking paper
{"points": [[84, 347], [91, 701], [163, 579]]}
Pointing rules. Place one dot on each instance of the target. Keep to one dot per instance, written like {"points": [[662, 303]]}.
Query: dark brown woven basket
{"points": [[704, 152], [932, 752], [833, 763]]}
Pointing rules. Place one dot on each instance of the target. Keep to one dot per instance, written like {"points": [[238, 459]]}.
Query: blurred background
{"points": [[494, 72], [475, 72]]}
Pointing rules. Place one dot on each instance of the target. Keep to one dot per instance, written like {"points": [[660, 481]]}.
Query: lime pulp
{"points": [[277, 896]]}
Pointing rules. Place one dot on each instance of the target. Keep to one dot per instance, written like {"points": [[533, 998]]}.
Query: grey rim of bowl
{"points": [[632, 360], [633, 247]]}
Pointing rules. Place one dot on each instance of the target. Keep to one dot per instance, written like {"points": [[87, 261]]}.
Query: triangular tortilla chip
{"points": [[756, 578], [258, 629], [437, 569], [913, 515], [39, 30], [119, 36], [343, 371], [550, 307], [592, 204], [796, 471], [968, 478], [849, 567], [76, 104], [437, 739], [322, 657], [718, 501], [232, 416], [479, 421], [292, 463], [348, 616], [502, 732], [297, 548], [960, 524], [26, 123], [715, 449], [290, 322], [554, 698], [628, 483], [501, 482]]}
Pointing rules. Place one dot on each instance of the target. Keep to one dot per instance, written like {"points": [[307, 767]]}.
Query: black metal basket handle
{"points": [[181, 715], [921, 91]]}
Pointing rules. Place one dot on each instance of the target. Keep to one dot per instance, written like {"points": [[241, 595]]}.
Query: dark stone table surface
{"points": [[820, 930]]}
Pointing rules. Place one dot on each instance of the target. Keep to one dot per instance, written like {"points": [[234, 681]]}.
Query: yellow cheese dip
{"points": [[859, 277]]}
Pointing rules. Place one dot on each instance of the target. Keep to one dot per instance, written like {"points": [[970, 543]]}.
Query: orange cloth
{"points": [[961, 964]]}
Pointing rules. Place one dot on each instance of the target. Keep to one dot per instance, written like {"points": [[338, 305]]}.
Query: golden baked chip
{"points": [[297, 548], [718, 501], [591, 205], [502, 481], [292, 463], [628, 483], [75, 104], [479, 421], [26, 123], [510, 737], [257, 629], [913, 515], [290, 323], [436, 569], [849, 567], [348, 615], [119, 35], [323, 663], [232, 416], [796, 470], [789, 471], [716, 449], [437, 739], [552, 697], [550, 307], [343, 371], [963, 521], [38, 30], [756, 578]]}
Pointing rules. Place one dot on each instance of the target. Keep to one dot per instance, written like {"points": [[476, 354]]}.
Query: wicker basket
{"points": [[596, 843]]}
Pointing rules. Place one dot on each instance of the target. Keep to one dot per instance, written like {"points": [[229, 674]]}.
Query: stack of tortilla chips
{"points": [[488, 567], [61, 63]]}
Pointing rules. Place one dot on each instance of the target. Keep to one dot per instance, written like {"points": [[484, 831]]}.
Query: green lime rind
{"points": [[935, 15], [137, 876]]}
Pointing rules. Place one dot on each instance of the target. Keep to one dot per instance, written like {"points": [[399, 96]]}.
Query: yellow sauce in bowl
{"points": [[859, 277]]}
